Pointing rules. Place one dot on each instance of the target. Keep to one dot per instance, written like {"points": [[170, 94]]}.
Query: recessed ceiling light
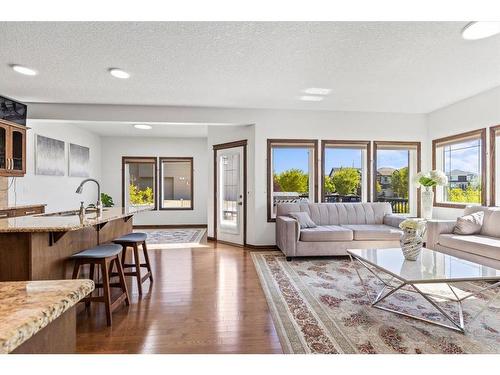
{"points": [[317, 91], [311, 98], [143, 126], [118, 73], [480, 30], [23, 70]]}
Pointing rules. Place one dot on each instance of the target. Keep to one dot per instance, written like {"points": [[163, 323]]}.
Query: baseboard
{"points": [[170, 226], [261, 247], [211, 239]]}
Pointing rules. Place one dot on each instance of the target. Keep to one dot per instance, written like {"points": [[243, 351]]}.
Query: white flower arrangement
{"points": [[417, 225], [430, 179]]}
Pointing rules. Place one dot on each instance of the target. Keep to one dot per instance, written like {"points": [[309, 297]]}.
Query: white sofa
{"points": [[340, 226], [483, 248]]}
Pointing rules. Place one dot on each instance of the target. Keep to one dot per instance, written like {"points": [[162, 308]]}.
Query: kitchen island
{"points": [[37, 247], [39, 316]]}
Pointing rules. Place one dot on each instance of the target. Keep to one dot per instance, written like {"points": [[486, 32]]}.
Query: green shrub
{"points": [[138, 196]]}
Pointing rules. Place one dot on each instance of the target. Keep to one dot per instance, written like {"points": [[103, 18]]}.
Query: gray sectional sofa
{"points": [[340, 226], [483, 247]]}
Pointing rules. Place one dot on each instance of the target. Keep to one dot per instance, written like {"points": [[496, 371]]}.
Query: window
{"points": [[291, 172], [345, 171], [176, 183], [495, 172], [139, 181], [395, 164], [462, 158]]}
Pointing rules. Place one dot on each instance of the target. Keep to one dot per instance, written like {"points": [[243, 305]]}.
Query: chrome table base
{"points": [[403, 285]]}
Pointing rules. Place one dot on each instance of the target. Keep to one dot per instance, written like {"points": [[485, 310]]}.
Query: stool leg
{"points": [[137, 269], [91, 277], [106, 290], [121, 276], [76, 269], [148, 264], [124, 254], [110, 271]]}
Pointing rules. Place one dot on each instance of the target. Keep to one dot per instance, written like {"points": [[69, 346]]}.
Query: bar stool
{"points": [[133, 240], [105, 256]]}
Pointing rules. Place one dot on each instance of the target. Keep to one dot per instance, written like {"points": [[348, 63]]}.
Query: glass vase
{"points": [[427, 202]]}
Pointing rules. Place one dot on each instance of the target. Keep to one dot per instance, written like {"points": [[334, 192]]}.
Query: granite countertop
{"points": [[21, 206], [50, 222], [28, 306]]}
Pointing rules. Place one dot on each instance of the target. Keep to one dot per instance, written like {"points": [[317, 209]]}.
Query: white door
{"points": [[230, 195]]}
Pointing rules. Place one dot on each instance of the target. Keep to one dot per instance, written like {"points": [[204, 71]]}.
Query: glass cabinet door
{"points": [[18, 150], [3, 147]]}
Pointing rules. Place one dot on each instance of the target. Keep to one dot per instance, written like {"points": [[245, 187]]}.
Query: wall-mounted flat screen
{"points": [[13, 111]]}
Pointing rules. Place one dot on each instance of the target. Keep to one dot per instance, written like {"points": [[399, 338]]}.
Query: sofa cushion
{"points": [[339, 213], [324, 233], [491, 220], [469, 224], [374, 232], [303, 219], [474, 244]]}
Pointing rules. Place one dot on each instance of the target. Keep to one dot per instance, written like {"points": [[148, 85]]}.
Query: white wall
{"points": [[479, 111], [113, 148], [58, 192]]}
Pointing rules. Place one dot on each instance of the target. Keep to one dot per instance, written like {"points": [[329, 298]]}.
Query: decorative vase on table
{"points": [[427, 202], [411, 244], [413, 238]]}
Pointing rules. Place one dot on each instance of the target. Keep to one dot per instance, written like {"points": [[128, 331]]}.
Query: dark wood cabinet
{"points": [[12, 149]]}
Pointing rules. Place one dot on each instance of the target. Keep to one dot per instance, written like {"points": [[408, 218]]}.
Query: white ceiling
{"points": [[126, 129], [413, 67]]}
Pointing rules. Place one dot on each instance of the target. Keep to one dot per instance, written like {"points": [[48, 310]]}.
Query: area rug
{"points": [[319, 306], [174, 238]]}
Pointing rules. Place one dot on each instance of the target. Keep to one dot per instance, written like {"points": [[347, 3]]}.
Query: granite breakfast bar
{"points": [[40, 316], [37, 247]]}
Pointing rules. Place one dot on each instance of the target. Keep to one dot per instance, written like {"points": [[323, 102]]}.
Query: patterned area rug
{"points": [[319, 306], [174, 238]]}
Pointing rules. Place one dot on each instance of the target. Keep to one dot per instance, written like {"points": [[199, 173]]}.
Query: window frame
{"points": [[363, 145], [481, 133], [291, 143], [410, 144], [494, 131], [143, 159], [160, 181]]}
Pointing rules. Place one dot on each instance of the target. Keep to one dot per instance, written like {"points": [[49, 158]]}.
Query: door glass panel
{"points": [[17, 150], [3, 140], [229, 167]]}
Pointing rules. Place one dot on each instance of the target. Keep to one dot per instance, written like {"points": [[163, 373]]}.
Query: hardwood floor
{"points": [[203, 300]]}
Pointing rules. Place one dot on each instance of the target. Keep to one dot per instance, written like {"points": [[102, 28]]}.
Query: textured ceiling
{"points": [[413, 67]]}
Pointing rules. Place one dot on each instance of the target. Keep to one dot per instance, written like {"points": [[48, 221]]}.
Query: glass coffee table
{"points": [[430, 276]]}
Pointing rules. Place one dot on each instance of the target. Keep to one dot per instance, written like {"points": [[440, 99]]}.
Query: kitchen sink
{"points": [[69, 213]]}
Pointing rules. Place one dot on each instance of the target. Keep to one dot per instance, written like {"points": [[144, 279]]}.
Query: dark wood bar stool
{"points": [[105, 256], [133, 240]]}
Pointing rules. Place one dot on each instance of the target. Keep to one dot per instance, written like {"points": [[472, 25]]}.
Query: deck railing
{"points": [[399, 205], [335, 198]]}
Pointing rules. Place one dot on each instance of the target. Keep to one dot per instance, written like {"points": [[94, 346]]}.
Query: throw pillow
{"points": [[303, 219], [469, 224]]}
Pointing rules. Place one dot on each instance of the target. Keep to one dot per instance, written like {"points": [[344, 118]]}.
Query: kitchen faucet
{"points": [[80, 189]]}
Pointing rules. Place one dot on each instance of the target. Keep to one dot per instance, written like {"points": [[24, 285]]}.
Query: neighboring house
{"points": [[384, 176], [461, 179]]}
